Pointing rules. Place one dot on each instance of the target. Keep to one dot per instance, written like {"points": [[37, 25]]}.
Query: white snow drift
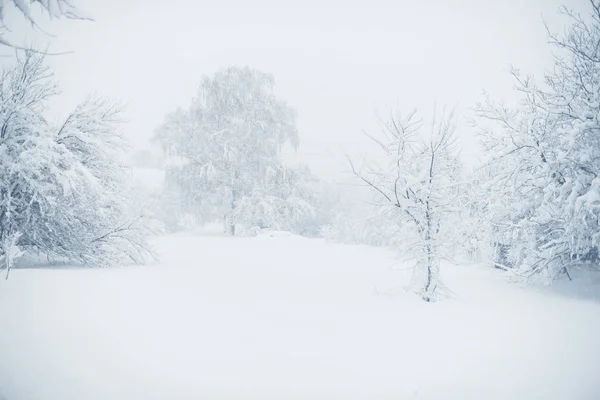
{"points": [[286, 317]]}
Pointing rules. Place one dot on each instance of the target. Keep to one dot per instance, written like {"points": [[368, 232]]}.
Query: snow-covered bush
{"points": [[289, 201], [543, 200], [64, 188]]}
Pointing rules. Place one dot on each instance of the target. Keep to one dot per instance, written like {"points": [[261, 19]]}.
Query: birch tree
{"points": [[225, 149]]}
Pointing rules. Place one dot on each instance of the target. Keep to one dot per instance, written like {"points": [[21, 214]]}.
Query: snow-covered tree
{"points": [[63, 189], [225, 148], [545, 198], [416, 175]]}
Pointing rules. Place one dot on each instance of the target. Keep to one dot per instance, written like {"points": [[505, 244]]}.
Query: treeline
{"points": [[532, 208]]}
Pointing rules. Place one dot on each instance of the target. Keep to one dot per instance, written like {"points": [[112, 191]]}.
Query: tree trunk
{"points": [[229, 220], [566, 271], [228, 225], [429, 289]]}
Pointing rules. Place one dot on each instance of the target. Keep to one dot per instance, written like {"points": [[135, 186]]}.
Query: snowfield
{"points": [[284, 317]]}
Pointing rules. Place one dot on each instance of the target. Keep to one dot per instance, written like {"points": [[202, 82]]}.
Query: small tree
{"points": [[417, 177], [225, 148]]}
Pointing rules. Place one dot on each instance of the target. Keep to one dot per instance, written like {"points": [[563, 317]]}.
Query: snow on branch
{"points": [[51, 8]]}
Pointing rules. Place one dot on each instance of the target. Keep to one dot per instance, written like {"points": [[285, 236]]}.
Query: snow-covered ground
{"points": [[283, 317]]}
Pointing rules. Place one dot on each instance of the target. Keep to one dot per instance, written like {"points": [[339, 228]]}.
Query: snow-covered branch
{"points": [[51, 8], [542, 201]]}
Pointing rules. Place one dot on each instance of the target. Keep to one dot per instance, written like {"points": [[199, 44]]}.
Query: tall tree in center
{"points": [[228, 142]]}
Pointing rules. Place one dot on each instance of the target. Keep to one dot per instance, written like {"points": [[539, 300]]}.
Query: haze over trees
{"points": [[226, 150]]}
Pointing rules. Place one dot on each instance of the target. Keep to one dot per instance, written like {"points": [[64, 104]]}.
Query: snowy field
{"points": [[285, 317]]}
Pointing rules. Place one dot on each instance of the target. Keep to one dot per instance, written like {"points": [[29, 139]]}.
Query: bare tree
{"points": [[417, 178]]}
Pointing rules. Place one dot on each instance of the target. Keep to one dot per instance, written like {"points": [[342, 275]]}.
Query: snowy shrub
{"points": [[543, 197], [64, 188]]}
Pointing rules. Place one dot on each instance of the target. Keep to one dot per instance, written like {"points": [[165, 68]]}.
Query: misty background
{"points": [[337, 64]]}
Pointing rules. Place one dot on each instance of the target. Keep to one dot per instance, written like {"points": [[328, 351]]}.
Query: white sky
{"points": [[336, 62]]}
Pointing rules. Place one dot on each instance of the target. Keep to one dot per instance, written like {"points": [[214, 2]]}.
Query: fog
{"points": [[337, 64]]}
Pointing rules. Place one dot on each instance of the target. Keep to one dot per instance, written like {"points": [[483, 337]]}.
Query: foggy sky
{"points": [[336, 63]]}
